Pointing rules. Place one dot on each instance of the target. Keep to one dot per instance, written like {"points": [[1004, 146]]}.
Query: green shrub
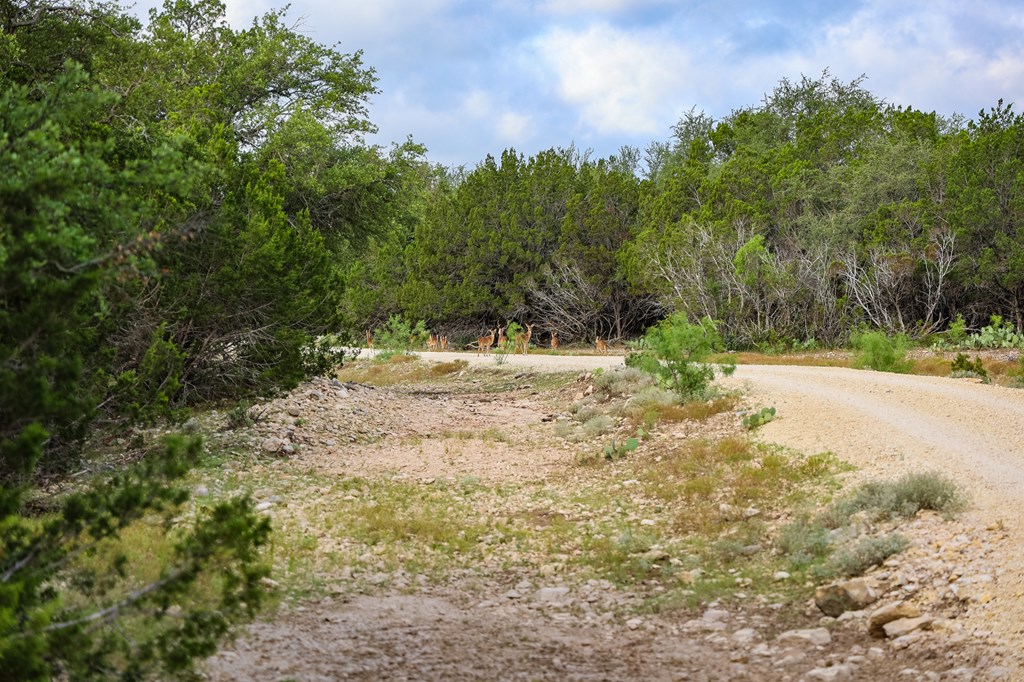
{"points": [[877, 351], [903, 497], [675, 352], [963, 367], [398, 337], [804, 542], [854, 560]]}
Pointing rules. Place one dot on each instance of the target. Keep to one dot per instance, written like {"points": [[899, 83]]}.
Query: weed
{"points": [[756, 419], [616, 450], [882, 353], [804, 542], [445, 368], [243, 416]]}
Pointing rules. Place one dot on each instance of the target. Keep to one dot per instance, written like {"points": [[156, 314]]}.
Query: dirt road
{"points": [[886, 424], [889, 425]]}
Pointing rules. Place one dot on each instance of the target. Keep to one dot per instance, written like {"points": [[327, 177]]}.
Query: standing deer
{"points": [[523, 339], [502, 339], [485, 342], [602, 346], [554, 340], [444, 343], [432, 342]]}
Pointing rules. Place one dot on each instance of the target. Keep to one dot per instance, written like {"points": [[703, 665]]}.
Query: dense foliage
{"points": [[818, 212], [178, 204]]}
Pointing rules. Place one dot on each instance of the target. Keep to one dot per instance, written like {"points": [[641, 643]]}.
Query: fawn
{"points": [[554, 340], [602, 346], [485, 342], [523, 339]]}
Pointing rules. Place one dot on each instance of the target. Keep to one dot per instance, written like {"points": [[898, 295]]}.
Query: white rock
{"points": [[830, 674], [551, 594], [779, 576], [745, 636], [634, 623], [814, 636]]}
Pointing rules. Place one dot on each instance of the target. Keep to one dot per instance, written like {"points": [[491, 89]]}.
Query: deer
{"points": [[444, 343], [369, 342], [554, 340], [432, 342], [502, 339], [602, 346], [523, 339], [485, 342]]}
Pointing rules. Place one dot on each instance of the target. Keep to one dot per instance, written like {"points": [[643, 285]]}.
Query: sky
{"points": [[468, 78]]}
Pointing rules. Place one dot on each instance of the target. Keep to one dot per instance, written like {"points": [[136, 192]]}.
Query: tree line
{"points": [[820, 211]]}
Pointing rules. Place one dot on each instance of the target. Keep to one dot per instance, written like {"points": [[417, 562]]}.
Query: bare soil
{"points": [[485, 625]]}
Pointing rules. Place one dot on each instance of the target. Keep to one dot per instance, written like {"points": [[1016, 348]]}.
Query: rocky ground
{"points": [[501, 606]]}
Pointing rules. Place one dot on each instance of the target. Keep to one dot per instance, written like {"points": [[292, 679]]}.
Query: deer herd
{"points": [[483, 344]]}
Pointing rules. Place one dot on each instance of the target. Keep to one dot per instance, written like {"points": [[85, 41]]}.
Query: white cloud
{"points": [[570, 7], [514, 127], [618, 81]]}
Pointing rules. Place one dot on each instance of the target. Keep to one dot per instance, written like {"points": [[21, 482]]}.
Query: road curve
{"points": [[886, 424]]}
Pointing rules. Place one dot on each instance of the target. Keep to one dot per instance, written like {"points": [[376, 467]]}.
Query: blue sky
{"points": [[469, 78]]}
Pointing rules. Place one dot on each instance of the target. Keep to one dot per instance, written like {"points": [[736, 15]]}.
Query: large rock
{"points": [[851, 595], [887, 614], [904, 626]]}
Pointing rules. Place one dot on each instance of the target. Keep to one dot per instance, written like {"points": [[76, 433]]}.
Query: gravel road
{"points": [[888, 425]]}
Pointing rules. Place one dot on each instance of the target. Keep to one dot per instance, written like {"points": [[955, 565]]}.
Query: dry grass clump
{"points": [[445, 368]]}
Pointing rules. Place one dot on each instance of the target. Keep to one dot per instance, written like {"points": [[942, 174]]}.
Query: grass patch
{"points": [[859, 557], [445, 368]]}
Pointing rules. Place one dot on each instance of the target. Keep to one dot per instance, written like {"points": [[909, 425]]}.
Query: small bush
{"points": [[963, 367], [904, 497], [804, 542], [882, 353], [675, 352], [622, 382], [598, 425], [859, 557]]}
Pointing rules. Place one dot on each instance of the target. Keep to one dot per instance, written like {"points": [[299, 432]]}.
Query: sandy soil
{"points": [[885, 424]]}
